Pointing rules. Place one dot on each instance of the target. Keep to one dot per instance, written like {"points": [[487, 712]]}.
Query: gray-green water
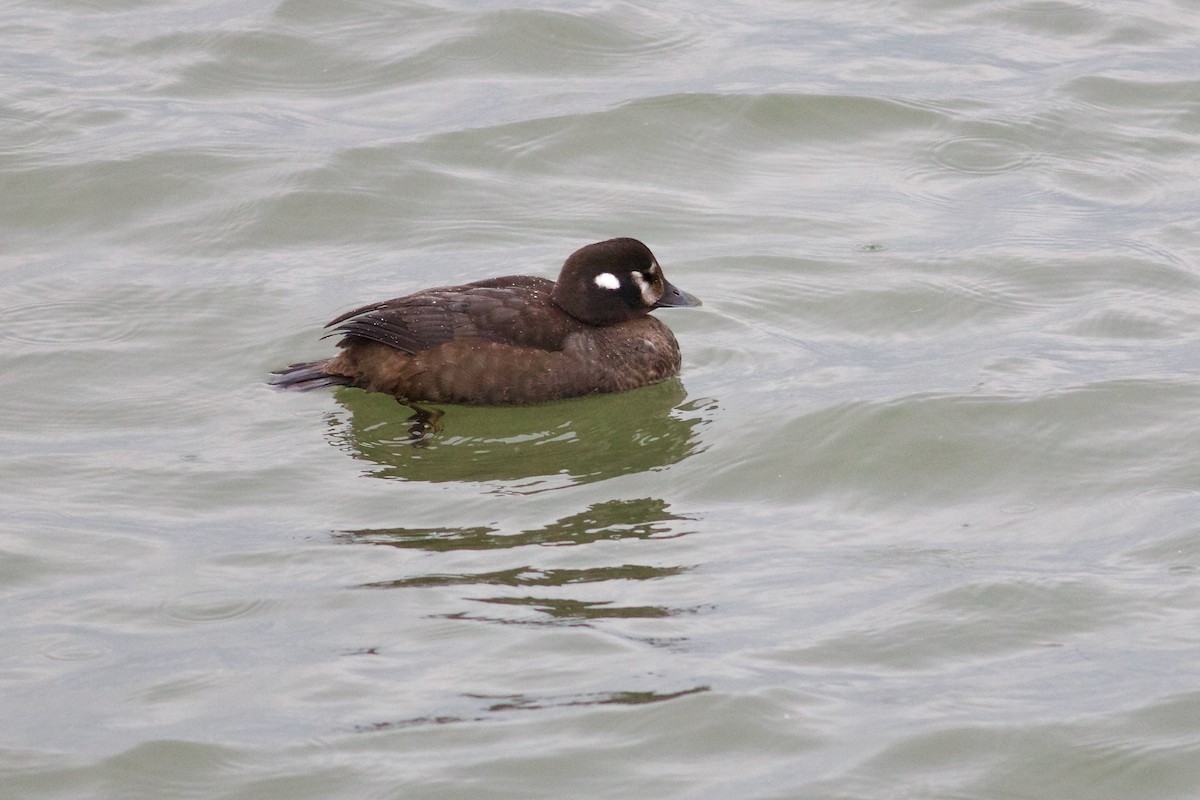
{"points": [[920, 520]]}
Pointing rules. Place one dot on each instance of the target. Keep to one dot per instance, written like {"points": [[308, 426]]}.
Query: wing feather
{"points": [[411, 324], [505, 310]]}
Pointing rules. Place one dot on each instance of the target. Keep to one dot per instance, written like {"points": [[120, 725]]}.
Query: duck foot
{"points": [[424, 422]]}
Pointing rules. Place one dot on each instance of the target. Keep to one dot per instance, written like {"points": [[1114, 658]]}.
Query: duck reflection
{"points": [[576, 572], [525, 576], [530, 449], [519, 702], [643, 519]]}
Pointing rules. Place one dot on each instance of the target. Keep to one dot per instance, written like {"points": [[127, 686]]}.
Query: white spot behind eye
{"points": [[606, 280], [648, 295]]}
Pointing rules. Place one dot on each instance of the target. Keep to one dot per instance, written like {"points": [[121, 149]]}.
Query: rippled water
{"points": [[918, 520]]}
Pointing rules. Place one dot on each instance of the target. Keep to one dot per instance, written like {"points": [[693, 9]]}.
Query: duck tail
{"points": [[307, 375]]}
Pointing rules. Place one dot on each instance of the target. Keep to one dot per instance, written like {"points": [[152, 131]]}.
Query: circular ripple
{"points": [[58, 322], [979, 155], [212, 606], [71, 648]]}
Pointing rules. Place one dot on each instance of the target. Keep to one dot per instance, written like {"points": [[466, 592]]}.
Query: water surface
{"points": [[917, 520]]}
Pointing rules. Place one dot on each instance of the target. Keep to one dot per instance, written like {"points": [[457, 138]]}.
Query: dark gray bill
{"points": [[674, 297]]}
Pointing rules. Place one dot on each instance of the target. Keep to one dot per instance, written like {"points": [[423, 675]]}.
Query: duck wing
{"points": [[495, 310]]}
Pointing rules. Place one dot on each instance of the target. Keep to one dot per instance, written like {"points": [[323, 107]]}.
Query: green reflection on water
{"points": [[522, 702], [643, 518], [530, 448], [581, 610], [613, 520], [528, 576]]}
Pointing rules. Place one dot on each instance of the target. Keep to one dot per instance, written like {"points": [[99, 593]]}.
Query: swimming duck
{"points": [[514, 340]]}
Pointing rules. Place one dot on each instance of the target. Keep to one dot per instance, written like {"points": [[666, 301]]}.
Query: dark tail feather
{"points": [[310, 375]]}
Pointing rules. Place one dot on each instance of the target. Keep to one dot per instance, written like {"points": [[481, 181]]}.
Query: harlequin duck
{"points": [[515, 340]]}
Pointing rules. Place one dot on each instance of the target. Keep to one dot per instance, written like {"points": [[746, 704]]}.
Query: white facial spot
{"points": [[606, 280], [644, 286]]}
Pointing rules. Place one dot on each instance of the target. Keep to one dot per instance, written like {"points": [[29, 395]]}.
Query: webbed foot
{"points": [[424, 422]]}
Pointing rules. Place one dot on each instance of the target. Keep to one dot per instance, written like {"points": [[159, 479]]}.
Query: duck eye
{"points": [[646, 288]]}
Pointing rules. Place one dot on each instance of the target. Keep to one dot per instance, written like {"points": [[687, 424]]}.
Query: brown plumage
{"points": [[512, 340]]}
